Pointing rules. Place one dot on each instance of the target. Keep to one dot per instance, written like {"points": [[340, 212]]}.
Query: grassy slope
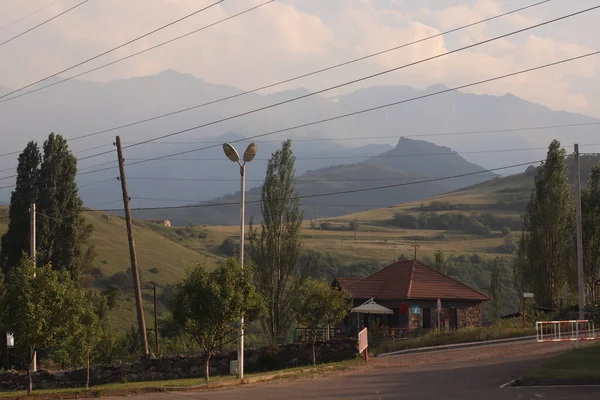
{"points": [[170, 258], [378, 240]]}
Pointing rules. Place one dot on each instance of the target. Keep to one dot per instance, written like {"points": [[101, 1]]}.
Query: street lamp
{"points": [[233, 155]]}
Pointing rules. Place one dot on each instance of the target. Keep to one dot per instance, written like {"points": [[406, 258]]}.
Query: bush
{"points": [[153, 270], [593, 311], [325, 226], [122, 280], [229, 247]]}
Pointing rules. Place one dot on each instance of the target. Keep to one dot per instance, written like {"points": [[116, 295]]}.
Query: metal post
{"points": [[32, 251], [579, 234], [156, 347], [241, 255], [132, 255], [523, 311]]}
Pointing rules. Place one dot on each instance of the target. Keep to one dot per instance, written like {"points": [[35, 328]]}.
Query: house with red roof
{"points": [[410, 289]]}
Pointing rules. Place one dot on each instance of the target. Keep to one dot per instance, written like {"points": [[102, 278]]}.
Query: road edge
{"points": [[457, 346]]}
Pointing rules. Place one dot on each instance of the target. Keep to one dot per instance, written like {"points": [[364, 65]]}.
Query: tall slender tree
{"points": [[544, 264], [276, 249], [61, 227], [590, 202], [16, 240], [496, 290], [440, 262]]}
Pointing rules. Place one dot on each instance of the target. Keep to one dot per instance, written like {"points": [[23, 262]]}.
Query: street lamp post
{"points": [[233, 155]]}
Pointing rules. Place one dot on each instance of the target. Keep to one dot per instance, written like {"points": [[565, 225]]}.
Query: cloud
{"points": [[288, 38]]}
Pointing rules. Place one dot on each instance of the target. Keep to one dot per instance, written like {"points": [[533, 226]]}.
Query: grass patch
{"points": [[501, 330], [581, 363], [123, 389]]}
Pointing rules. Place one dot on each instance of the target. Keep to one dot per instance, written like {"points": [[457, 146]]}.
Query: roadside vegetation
{"points": [[501, 330]]}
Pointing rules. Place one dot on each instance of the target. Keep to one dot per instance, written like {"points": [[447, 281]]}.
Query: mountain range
{"points": [[450, 120]]}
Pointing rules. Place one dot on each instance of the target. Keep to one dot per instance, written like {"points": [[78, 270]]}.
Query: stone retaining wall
{"points": [[181, 367]]}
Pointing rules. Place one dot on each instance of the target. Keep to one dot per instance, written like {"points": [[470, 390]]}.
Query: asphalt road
{"points": [[474, 373]]}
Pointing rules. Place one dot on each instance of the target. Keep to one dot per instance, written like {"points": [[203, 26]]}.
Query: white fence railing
{"points": [[564, 331], [363, 342]]}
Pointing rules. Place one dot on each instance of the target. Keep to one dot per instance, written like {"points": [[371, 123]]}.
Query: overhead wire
{"points": [[405, 135], [365, 111], [135, 54], [112, 49], [380, 107], [350, 191], [42, 23], [28, 15], [268, 86], [361, 79]]}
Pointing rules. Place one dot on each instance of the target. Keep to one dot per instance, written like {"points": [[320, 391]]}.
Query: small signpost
{"points": [[10, 344], [525, 296], [439, 311], [10, 340]]}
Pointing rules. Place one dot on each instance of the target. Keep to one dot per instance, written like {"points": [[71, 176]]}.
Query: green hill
{"points": [[163, 256]]}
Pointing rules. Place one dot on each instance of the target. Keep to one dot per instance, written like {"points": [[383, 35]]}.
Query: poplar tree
{"points": [[544, 262], [16, 240], [590, 202], [62, 230], [49, 181], [275, 248]]}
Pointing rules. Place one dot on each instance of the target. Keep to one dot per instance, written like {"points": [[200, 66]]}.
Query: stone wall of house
{"points": [[470, 316], [181, 367]]}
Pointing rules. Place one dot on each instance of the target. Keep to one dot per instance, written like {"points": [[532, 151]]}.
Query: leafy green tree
{"points": [[320, 306], [496, 290], [440, 262], [41, 311], [89, 335], [61, 227], [277, 248], [590, 207], [544, 264], [16, 240], [208, 305]]}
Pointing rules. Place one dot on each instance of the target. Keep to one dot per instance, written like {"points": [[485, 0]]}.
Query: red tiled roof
{"points": [[406, 280]]}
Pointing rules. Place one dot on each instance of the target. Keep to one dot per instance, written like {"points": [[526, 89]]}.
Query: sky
{"points": [[286, 38]]}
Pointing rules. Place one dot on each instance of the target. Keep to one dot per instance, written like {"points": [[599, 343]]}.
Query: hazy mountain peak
{"points": [[412, 146], [436, 88]]}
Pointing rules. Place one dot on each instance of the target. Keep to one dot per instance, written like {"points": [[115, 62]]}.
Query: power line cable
{"points": [[276, 83], [42, 23], [410, 135], [369, 110], [350, 191], [366, 110], [357, 80], [112, 49], [135, 54], [28, 15], [452, 153]]}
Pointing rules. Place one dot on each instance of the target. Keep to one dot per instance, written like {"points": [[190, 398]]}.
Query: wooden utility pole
{"points": [[32, 251], [580, 282], [132, 255], [415, 247], [355, 226]]}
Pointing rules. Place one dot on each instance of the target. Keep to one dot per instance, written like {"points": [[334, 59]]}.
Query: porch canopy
{"points": [[370, 307]]}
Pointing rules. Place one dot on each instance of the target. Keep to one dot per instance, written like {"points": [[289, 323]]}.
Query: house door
{"points": [[453, 319], [427, 318]]}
